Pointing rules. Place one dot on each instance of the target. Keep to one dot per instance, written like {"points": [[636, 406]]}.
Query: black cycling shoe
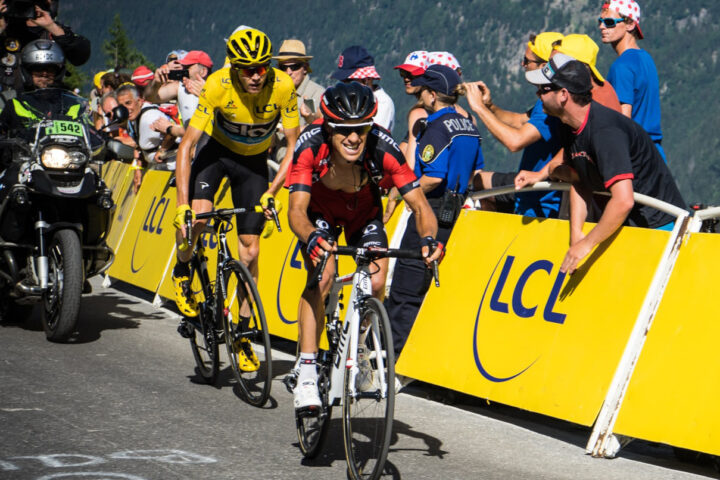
{"points": [[185, 329]]}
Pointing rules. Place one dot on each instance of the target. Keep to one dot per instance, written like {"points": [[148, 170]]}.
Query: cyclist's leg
{"points": [[248, 177], [311, 320], [372, 234], [205, 176]]}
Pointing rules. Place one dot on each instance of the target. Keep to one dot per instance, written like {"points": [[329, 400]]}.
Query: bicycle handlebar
{"points": [[371, 253]]}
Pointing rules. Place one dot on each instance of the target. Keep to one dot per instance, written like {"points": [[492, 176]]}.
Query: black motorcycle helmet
{"points": [[348, 101], [41, 52]]}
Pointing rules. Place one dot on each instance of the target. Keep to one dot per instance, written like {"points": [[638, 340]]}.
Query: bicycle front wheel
{"points": [[246, 333], [204, 339], [369, 396]]}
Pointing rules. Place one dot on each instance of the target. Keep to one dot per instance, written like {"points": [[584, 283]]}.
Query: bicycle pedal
{"points": [[290, 382], [185, 330]]}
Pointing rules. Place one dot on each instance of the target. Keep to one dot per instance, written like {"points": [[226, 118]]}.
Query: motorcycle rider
{"points": [[42, 67]]}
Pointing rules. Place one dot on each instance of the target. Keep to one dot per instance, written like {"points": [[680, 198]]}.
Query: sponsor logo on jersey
{"points": [[246, 133]]}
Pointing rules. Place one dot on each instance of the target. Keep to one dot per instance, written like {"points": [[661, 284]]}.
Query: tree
{"points": [[119, 49], [76, 78]]}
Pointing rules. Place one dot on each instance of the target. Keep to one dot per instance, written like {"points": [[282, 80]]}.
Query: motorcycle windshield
{"points": [[59, 104]]}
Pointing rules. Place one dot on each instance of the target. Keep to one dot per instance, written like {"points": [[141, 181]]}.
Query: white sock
{"points": [[308, 367]]}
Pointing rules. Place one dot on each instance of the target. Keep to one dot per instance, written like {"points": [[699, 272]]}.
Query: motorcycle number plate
{"points": [[64, 127]]}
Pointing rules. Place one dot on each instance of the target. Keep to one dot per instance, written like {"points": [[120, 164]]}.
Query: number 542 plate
{"points": [[64, 127]]}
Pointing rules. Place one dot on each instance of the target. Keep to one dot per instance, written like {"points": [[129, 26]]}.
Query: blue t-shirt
{"points": [[448, 148], [534, 158], [634, 77]]}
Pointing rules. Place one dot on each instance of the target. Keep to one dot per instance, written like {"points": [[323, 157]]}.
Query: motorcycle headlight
{"points": [[56, 157]]}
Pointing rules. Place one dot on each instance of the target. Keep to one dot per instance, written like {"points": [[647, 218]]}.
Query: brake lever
{"points": [[436, 273], [318, 273], [274, 213]]}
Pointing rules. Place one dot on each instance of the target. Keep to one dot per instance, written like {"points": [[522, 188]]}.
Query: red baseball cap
{"points": [[197, 56], [142, 76]]}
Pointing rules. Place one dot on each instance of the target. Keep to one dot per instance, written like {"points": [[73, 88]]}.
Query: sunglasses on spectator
{"points": [[292, 66], [251, 71], [406, 74], [347, 129], [547, 89], [527, 61], [610, 22]]}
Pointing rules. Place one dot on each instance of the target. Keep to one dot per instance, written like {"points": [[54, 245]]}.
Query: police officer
{"points": [[447, 157], [19, 28]]}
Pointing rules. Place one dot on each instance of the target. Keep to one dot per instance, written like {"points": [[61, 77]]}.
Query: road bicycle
{"points": [[216, 322], [357, 372]]}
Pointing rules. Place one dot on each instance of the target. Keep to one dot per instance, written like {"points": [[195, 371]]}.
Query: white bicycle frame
{"points": [[346, 355]]}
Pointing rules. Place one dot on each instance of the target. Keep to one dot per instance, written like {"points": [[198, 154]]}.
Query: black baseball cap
{"points": [[438, 78], [565, 72]]}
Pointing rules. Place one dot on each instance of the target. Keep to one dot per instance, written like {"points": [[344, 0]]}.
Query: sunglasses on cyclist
{"points": [[609, 22], [345, 129], [292, 66], [251, 71], [527, 61]]}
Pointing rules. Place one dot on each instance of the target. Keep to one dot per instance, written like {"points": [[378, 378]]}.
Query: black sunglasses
{"points": [[292, 66], [526, 61], [547, 88], [348, 129]]}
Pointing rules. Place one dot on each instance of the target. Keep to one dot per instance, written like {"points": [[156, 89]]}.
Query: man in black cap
{"points": [[607, 152], [355, 64]]}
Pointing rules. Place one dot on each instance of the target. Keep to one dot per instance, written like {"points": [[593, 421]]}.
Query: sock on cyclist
{"points": [[181, 269], [308, 367]]}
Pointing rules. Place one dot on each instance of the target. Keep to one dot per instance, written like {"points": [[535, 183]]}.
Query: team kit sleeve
{"points": [[290, 114], [299, 177], [399, 172]]}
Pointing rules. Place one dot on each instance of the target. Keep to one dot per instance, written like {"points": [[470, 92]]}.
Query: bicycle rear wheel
{"points": [[312, 428], [204, 340], [246, 333], [368, 406]]}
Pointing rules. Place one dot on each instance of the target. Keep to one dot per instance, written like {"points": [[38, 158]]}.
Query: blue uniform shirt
{"points": [[448, 148], [634, 77], [534, 158]]}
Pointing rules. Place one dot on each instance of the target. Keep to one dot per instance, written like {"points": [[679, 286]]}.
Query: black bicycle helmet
{"points": [[348, 101]]}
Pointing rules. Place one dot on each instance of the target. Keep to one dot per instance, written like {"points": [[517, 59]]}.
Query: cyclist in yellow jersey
{"points": [[232, 128]]}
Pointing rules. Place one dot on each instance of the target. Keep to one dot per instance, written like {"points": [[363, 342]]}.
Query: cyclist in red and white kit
{"points": [[341, 164]]}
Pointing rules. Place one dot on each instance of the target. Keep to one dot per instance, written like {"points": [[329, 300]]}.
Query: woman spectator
{"points": [[448, 155]]}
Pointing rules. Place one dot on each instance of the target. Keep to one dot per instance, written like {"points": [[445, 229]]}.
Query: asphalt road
{"points": [[123, 401]]}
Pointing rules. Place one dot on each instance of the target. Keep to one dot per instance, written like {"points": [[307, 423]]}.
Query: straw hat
{"points": [[292, 50]]}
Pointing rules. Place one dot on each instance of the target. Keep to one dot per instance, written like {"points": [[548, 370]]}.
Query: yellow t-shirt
{"points": [[242, 122]]}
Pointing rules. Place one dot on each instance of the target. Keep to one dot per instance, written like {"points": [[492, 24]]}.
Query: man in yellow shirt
{"points": [[230, 133]]}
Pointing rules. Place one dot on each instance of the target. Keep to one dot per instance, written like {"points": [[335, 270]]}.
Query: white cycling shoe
{"points": [[306, 395]]}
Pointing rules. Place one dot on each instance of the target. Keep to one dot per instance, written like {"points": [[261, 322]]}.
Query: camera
{"points": [[178, 74], [24, 9]]}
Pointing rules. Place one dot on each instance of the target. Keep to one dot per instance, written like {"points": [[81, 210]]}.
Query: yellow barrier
{"points": [[507, 326], [672, 394]]}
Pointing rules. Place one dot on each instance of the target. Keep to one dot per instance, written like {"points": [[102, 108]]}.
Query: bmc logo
{"points": [[509, 295]]}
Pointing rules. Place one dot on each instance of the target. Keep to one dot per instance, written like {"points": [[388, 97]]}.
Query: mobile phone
{"points": [[310, 104], [178, 74], [20, 9]]}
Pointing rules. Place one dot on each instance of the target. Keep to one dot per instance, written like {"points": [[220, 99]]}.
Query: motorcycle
{"points": [[55, 218]]}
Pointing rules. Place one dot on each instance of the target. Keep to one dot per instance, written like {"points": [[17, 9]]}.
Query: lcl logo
{"points": [[151, 224], [499, 289]]}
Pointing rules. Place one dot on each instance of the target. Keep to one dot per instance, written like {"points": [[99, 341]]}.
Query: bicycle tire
{"points": [[367, 420], [204, 340], [254, 386], [312, 429]]}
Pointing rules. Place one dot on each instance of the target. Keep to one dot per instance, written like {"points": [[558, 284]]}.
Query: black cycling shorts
{"points": [[248, 177]]}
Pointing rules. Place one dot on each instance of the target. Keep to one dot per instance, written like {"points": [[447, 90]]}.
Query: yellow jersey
{"points": [[242, 122]]}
